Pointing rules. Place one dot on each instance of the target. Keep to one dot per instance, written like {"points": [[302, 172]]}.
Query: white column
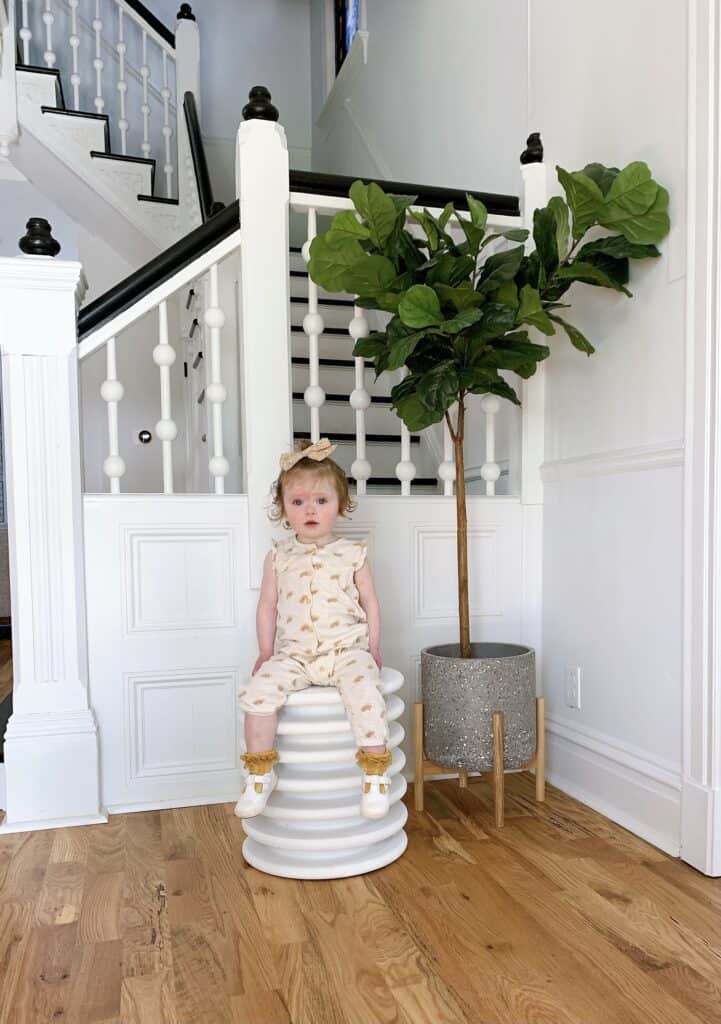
{"points": [[167, 130], [490, 470], [360, 400], [215, 392], [122, 85], [405, 470], [187, 79], [98, 63], [165, 429], [701, 709], [51, 743], [262, 183], [313, 326], [49, 20], [74, 44], [447, 469]]}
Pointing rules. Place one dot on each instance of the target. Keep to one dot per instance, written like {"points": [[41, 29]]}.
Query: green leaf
{"points": [[645, 228], [586, 272], [438, 389], [461, 298], [531, 311], [513, 235], [492, 384], [401, 347], [517, 353], [447, 269], [618, 246], [331, 257], [446, 214], [544, 235], [617, 269], [372, 345], [574, 335], [603, 176], [402, 203], [376, 208], [563, 230], [420, 307], [346, 225], [507, 294], [584, 198], [478, 212], [462, 322], [413, 412], [387, 301], [499, 268], [497, 318], [370, 274], [429, 226], [474, 234], [632, 193]]}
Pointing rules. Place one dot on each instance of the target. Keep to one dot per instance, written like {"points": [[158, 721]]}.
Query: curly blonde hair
{"points": [[325, 470]]}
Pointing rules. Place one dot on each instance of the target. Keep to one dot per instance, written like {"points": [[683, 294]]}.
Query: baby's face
{"points": [[311, 507]]}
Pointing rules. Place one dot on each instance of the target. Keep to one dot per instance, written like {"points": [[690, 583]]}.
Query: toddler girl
{"points": [[318, 623]]}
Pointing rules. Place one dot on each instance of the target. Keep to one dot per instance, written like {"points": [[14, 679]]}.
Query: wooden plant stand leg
{"points": [[418, 774], [540, 749], [463, 780], [498, 765]]}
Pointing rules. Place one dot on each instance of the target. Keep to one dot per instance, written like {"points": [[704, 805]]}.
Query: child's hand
{"points": [[376, 655], [261, 660]]}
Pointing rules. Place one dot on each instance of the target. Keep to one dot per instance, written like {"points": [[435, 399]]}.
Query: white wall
{"points": [[257, 42], [614, 426], [441, 101]]}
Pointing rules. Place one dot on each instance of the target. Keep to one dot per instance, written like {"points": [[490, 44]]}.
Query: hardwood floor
{"points": [[559, 918]]}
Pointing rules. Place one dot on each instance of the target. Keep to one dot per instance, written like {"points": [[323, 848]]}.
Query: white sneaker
{"points": [[375, 796], [255, 794]]}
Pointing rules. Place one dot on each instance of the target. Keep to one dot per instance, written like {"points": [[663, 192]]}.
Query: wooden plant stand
{"points": [[424, 767]]}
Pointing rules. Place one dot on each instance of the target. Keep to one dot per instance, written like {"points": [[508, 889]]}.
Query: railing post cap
{"points": [[185, 13], [259, 106], [533, 153], [39, 239]]}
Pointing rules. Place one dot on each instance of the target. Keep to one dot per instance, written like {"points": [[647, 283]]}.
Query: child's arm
{"points": [[369, 604], [266, 615]]}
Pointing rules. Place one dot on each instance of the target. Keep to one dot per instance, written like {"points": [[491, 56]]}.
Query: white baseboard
{"points": [[624, 783]]}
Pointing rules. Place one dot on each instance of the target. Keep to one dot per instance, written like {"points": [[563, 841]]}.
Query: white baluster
{"points": [[25, 33], [122, 85], [490, 470], [112, 391], [145, 108], [165, 429], [360, 401], [313, 325], [447, 469], [99, 102], [74, 44], [49, 19], [405, 470], [215, 393], [167, 131]]}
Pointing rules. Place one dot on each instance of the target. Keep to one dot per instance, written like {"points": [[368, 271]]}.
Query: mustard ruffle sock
{"points": [[260, 762], [374, 764]]}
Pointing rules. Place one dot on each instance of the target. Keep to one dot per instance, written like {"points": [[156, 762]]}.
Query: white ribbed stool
{"points": [[311, 826]]}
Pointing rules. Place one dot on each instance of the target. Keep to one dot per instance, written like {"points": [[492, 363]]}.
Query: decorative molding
{"points": [[194, 687], [137, 546], [423, 535], [363, 134], [356, 59], [622, 460], [640, 792]]}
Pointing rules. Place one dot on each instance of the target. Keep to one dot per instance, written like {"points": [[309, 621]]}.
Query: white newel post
{"points": [[51, 742], [535, 194], [187, 79], [263, 189]]}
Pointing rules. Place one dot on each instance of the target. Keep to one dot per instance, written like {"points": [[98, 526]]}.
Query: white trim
{"points": [[622, 460], [362, 133], [163, 291], [626, 784]]}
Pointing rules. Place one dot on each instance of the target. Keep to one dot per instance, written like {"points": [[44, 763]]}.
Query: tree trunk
{"points": [[462, 536]]}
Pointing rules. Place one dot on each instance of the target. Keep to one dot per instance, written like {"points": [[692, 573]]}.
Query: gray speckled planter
{"points": [[460, 696]]}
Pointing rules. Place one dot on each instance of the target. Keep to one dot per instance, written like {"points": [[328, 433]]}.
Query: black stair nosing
{"points": [[37, 69], [338, 332], [82, 113], [149, 160], [386, 481], [294, 248], [344, 363], [324, 302], [298, 396], [158, 199], [304, 435]]}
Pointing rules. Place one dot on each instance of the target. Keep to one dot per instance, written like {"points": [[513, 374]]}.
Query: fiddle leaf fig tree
{"points": [[460, 318]]}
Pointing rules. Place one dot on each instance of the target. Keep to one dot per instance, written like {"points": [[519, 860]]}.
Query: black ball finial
{"points": [[533, 153], [39, 239], [259, 106], [185, 13]]}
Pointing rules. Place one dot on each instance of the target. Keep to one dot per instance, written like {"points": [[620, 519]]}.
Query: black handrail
{"points": [[128, 291], [155, 23], [208, 207], [428, 195], [224, 223]]}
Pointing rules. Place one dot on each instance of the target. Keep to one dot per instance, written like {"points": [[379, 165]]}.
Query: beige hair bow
{"points": [[317, 451]]}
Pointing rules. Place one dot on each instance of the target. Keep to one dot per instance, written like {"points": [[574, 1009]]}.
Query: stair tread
{"points": [[305, 361], [386, 481], [375, 399], [158, 199], [338, 332], [340, 438], [322, 301]]}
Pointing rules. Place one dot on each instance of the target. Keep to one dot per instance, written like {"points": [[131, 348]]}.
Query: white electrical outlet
{"points": [[573, 687]]}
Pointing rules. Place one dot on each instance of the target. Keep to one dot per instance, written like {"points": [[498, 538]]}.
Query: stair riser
{"points": [[38, 89], [339, 380], [330, 346], [336, 418], [299, 287], [338, 317]]}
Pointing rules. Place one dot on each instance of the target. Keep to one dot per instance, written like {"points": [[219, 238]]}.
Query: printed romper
{"points": [[321, 636]]}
